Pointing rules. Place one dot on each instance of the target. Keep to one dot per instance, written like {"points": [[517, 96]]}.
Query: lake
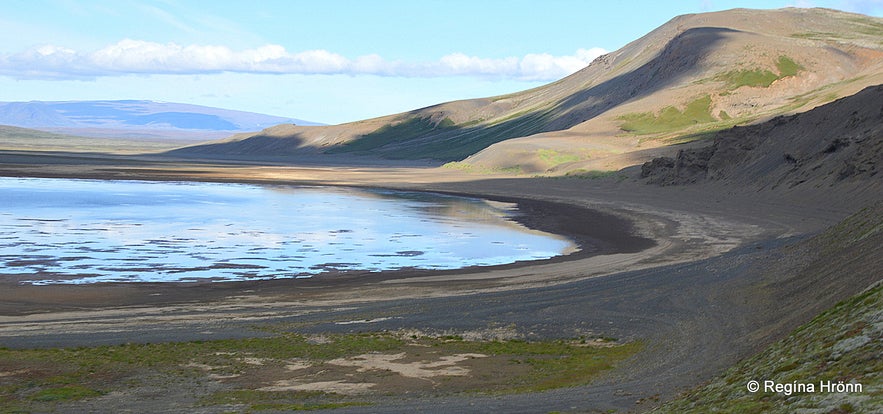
{"points": [[87, 231]]}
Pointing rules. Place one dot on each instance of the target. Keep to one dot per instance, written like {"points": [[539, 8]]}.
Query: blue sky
{"points": [[325, 61]]}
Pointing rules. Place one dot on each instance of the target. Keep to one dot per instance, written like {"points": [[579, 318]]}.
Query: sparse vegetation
{"points": [[698, 112], [787, 67], [36, 379], [477, 169], [459, 144], [755, 78], [812, 353], [593, 174], [64, 393], [669, 118], [444, 140], [403, 131], [760, 78], [867, 26], [553, 157], [842, 344]]}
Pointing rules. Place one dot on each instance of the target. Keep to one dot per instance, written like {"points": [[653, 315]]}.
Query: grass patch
{"points": [[475, 169], [669, 118], [592, 174], [760, 78], [787, 67], [867, 26], [552, 364], [65, 393], [554, 158], [756, 78], [44, 379]]}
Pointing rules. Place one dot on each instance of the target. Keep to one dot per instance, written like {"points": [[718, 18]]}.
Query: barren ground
{"points": [[691, 298]]}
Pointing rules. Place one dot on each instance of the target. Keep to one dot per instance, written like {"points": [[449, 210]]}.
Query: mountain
{"points": [[130, 118], [693, 75]]}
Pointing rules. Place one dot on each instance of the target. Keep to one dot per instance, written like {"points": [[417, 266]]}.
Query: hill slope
{"points": [[841, 344], [834, 142], [694, 74]]}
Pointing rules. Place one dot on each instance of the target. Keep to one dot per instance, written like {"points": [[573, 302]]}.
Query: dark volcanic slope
{"points": [[839, 141]]}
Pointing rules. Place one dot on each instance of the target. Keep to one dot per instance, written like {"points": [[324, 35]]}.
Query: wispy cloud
{"points": [[129, 57]]}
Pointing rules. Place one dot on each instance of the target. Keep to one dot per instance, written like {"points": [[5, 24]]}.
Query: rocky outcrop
{"points": [[839, 141]]}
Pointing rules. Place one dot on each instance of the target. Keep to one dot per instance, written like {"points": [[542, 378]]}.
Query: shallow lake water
{"points": [[87, 231]]}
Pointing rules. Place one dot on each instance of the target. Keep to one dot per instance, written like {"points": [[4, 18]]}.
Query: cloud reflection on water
{"points": [[85, 231]]}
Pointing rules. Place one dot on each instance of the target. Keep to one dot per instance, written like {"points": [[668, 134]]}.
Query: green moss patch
{"points": [[760, 78], [756, 78], [476, 169], [64, 393], [832, 347], [297, 372], [787, 67], [553, 157], [669, 118]]}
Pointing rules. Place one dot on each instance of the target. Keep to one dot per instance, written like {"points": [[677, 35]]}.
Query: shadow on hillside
{"points": [[675, 61], [258, 145], [418, 138]]}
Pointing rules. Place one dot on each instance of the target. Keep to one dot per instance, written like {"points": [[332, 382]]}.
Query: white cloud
{"points": [[142, 57]]}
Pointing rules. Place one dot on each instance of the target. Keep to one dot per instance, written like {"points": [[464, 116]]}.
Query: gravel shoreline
{"points": [[691, 295]]}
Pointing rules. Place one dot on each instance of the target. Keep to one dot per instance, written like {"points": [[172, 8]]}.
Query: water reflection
{"points": [[86, 231]]}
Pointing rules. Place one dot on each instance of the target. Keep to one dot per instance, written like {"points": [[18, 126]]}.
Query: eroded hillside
{"points": [[839, 141]]}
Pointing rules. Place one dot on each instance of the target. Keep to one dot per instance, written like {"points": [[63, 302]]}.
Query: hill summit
{"points": [[691, 76]]}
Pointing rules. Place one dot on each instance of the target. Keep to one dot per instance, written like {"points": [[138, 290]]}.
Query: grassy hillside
{"points": [[842, 344]]}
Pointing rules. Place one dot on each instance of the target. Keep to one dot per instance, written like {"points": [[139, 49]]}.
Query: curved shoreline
{"points": [[596, 233], [692, 296], [589, 233], [607, 233]]}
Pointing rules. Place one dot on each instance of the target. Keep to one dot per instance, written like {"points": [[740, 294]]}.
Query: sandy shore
{"points": [[687, 293]]}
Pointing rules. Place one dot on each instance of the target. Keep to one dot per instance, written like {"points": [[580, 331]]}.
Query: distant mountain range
{"points": [[135, 118]]}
